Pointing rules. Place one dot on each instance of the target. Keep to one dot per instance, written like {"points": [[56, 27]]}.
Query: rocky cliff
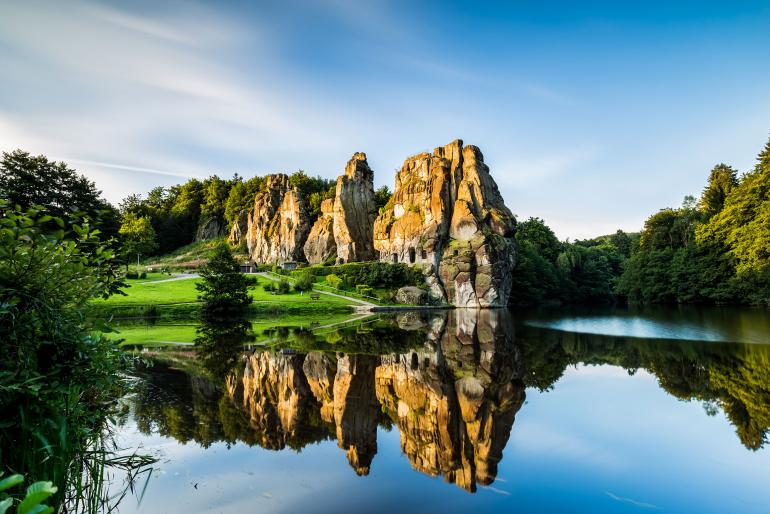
{"points": [[355, 211], [239, 229], [455, 401], [278, 225], [343, 231], [320, 246], [447, 214], [211, 228]]}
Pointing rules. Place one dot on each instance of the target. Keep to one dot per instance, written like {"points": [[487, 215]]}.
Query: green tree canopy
{"points": [[224, 289], [27, 180], [137, 235]]}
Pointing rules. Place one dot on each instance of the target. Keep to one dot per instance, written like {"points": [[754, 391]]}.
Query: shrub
{"points": [[269, 287], [380, 274], [334, 281], [143, 275], [283, 287], [365, 291], [132, 275], [223, 289], [304, 282]]}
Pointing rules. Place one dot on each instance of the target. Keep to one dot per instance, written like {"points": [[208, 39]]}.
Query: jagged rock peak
{"points": [[278, 225], [447, 214], [355, 211]]}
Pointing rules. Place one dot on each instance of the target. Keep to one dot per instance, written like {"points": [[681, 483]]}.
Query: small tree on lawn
{"points": [[224, 290], [138, 236]]}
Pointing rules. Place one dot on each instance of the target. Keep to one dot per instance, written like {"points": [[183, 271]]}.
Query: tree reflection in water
{"points": [[451, 383]]}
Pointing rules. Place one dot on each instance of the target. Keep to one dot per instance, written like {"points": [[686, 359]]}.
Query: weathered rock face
{"points": [[273, 391], [356, 409], [320, 245], [239, 228], [355, 211], [455, 407], [411, 295], [210, 229], [320, 371], [278, 226], [447, 213]]}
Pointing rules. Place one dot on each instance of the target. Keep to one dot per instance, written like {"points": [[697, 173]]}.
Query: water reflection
{"points": [[451, 384]]}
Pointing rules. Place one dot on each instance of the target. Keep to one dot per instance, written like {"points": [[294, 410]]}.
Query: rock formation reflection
{"points": [[452, 384]]}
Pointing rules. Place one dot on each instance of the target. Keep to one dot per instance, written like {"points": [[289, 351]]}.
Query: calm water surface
{"points": [[592, 411]]}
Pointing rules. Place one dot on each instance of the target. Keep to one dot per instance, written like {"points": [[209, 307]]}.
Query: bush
{"points": [[365, 291], [304, 282], [334, 281], [143, 275], [132, 275], [380, 274], [52, 362], [269, 287], [283, 287]]}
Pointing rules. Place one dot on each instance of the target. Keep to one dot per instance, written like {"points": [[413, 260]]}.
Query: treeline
{"points": [[713, 250], [170, 217], [550, 271]]}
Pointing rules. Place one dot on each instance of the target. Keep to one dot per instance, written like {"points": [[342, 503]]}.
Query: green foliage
{"points": [[137, 235], [314, 189], [379, 274], [722, 180], [304, 282], [283, 287], [551, 272], [29, 181], [718, 252], [224, 289], [32, 501], [381, 197], [333, 281], [58, 378], [241, 197]]}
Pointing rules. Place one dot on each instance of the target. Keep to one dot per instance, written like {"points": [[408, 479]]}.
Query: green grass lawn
{"points": [[160, 334], [151, 277], [146, 293]]}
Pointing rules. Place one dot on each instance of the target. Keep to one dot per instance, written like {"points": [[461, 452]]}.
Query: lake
{"points": [[603, 410]]}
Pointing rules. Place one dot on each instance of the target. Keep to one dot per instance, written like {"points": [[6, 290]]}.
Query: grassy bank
{"points": [[179, 298]]}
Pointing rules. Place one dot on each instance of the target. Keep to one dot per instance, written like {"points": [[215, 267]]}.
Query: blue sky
{"points": [[590, 115]]}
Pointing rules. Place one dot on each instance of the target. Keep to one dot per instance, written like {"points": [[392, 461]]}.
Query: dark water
{"points": [[465, 411]]}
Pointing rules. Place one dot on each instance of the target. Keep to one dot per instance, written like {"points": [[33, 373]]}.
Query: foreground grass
{"points": [[162, 334]]}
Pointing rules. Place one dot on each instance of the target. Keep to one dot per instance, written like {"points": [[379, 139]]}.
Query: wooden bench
{"points": [[315, 296]]}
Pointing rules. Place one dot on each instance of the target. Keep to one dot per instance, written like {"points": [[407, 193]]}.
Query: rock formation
{"points": [[320, 245], [447, 214], [273, 391], [455, 404], [210, 229], [356, 409], [239, 228], [279, 224], [355, 211], [344, 229]]}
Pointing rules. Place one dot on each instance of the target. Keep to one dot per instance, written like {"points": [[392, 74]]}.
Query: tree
{"points": [[138, 236], [28, 181], [59, 378], [382, 197], [224, 289], [721, 182], [241, 197]]}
